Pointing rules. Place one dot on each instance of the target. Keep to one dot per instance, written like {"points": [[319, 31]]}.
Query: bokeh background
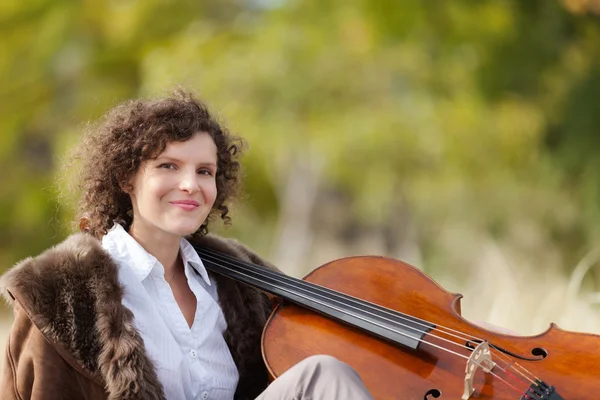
{"points": [[461, 136]]}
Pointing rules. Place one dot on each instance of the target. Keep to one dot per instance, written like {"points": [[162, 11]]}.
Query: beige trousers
{"points": [[317, 378]]}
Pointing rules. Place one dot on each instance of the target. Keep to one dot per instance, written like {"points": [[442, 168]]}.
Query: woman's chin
{"points": [[184, 230]]}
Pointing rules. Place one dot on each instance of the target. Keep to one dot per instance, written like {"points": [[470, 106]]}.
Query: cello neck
{"points": [[382, 322]]}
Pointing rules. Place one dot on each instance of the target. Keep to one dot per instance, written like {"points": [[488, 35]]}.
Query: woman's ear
{"points": [[126, 187]]}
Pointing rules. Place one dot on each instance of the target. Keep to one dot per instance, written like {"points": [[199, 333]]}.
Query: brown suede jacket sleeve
{"points": [[33, 368]]}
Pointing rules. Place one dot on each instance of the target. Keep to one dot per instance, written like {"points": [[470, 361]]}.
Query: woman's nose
{"points": [[189, 183]]}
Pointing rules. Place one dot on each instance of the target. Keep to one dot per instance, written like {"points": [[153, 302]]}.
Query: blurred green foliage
{"points": [[421, 120]]}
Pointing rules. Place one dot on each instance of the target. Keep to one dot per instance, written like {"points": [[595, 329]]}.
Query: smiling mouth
{"points": [[187, 205]]}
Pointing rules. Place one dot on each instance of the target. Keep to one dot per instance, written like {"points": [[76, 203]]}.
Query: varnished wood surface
{"points": [[392, 372]]}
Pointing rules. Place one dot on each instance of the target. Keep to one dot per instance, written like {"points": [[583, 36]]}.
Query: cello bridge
{"points": [[480, 357]]}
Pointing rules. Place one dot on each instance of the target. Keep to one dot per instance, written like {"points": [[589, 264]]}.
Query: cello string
{"points": [[255, 271], [280, 278], [503, 380], [371, 320], [329, 293], [517, 367], [510, 364], [382, 326], [422, 341], [301, 285], [308, 288], [345, 299]]}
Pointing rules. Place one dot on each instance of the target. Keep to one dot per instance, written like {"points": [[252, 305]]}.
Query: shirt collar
{"points": [[125, 249], [191, 257]]}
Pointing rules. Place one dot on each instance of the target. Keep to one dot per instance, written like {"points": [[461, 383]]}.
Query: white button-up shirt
{"points": [[191, 363]]}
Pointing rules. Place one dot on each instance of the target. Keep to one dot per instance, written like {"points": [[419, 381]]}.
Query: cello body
{"points": [[568, 361]]}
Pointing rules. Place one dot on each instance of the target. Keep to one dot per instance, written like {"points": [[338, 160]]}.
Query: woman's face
{"points": [[175, 192]]}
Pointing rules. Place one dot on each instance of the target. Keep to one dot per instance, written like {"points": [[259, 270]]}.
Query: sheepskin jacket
{"points": [[73, 339]]}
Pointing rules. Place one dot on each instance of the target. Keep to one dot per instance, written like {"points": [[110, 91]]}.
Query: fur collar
{"points": [[72, 294]]}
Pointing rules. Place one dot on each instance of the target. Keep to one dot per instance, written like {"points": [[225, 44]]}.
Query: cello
{"points": [[405, 336]]}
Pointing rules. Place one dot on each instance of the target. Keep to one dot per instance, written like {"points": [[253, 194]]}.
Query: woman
{"points": [[125, 309]]}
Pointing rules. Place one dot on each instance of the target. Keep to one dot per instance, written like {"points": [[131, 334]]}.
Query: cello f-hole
{"points": [[434, 393], [540, 352]]}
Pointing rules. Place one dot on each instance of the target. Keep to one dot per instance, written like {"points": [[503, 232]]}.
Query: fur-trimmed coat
{"points": [[73, 339]]}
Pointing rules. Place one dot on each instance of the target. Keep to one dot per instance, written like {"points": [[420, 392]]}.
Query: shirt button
{"points": [[204, 395], [193, 355]]}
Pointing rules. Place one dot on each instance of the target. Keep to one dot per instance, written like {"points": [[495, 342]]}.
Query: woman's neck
{"points": [[163, 246]]}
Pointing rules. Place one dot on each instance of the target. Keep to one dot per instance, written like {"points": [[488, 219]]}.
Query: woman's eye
{"points": [[205, 172], [167, 166]]}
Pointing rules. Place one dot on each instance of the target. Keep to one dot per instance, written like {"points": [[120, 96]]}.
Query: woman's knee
{"points": [[327, 364], [326, 377]]}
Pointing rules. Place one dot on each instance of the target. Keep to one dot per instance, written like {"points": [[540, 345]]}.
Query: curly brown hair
{"points": [[113, 149]]}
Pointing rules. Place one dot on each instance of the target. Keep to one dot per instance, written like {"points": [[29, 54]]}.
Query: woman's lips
{"points": [[187, 205]]}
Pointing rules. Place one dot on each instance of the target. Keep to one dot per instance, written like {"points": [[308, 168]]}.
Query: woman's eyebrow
{"points": [[169, 158]]}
